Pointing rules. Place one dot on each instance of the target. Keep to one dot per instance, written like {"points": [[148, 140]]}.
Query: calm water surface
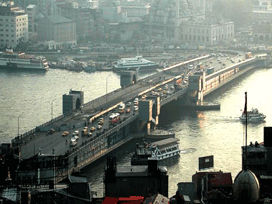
{"points": [[32, 96]]}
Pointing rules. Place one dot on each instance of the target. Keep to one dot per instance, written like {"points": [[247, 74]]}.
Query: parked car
{"points": [[99, 127], [92, 129]]}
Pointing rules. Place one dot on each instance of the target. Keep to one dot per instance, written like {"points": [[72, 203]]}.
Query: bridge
{"points": [[51, 150]]}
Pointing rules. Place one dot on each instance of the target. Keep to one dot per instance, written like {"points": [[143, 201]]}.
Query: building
{"points": [[206, 32], [83, 17], [166, 17], [262, 32], [57, 32], [13, 25], [32, 11], [125, 181], [132, 11]]}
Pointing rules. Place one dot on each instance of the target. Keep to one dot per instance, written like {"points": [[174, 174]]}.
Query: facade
{"points": [[166, 17], [262, 15], [84, 18], [13, 25], [206, 32], [262, 32], [132, 11], [59, 31], [32, 11]]}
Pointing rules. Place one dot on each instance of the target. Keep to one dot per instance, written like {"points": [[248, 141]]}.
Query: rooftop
{"points": [[56, 19]]}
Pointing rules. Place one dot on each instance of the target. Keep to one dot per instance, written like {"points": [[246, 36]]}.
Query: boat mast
{"points": [[246, 130]]}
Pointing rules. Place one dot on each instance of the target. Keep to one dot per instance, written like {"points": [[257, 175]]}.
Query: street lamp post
{"points": [[52, 109], [19, 124], [107, 88]]}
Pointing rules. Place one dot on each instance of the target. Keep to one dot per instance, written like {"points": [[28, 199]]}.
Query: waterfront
{"points": [[32, 96]]}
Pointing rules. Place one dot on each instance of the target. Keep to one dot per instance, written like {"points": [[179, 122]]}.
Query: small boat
{"points": [[252, 116], [160, 151]]}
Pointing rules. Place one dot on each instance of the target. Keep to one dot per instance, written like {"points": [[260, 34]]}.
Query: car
{"points": [[65, 133], [128, 104], [92, 129], [76, 132], [90, 134], [99, 127], [101, 121], [51, 131], [128, 110], [135, 108], [75, 137], [73, 142]]}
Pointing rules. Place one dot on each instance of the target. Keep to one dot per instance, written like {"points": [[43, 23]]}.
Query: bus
{"points": [[248, 55]]}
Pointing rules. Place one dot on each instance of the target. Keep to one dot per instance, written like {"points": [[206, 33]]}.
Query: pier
{"points": [[150, 92]]}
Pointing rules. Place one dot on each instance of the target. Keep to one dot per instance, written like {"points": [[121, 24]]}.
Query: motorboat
{"points": [[252, 116]]}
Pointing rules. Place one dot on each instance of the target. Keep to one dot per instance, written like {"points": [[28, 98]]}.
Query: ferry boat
{"points": [[160, 151], [133, 63], [252, 116], [11, 60]]}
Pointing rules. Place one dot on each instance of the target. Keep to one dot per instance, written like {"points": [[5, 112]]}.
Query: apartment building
{"points": [[13, 25]]}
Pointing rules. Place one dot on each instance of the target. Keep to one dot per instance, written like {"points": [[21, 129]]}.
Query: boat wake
{"points": [[187, 151]]}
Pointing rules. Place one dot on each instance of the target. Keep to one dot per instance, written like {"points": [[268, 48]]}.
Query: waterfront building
{"points": [[206, 32], [57, 31], [13, 25]]}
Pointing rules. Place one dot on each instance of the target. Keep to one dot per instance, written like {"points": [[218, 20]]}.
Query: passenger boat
{"points": [[252, 116], [133, 63], [11, 60], [160, 151]]}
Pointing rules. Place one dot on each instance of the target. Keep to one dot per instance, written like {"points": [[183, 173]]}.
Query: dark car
{"points": [[51, 131]]}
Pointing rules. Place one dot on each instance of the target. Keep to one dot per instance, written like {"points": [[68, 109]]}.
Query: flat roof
{"points": [[166, 141]]}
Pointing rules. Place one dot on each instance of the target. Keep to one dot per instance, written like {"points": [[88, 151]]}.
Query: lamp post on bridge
{"points": [[52, 110], [19, 124], [107, 88]]}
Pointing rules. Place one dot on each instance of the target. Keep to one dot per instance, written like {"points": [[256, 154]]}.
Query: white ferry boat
{"points": [[11, 60], [160, 151], [252, 116], [133, 63]]}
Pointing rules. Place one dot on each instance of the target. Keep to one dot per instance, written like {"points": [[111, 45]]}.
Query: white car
{"points": [[76, 132], [75, 137], [73, 142], [99, 127], [135, 108]]}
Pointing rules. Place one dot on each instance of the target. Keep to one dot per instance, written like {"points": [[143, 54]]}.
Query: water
{"points": [[219, 133]]}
